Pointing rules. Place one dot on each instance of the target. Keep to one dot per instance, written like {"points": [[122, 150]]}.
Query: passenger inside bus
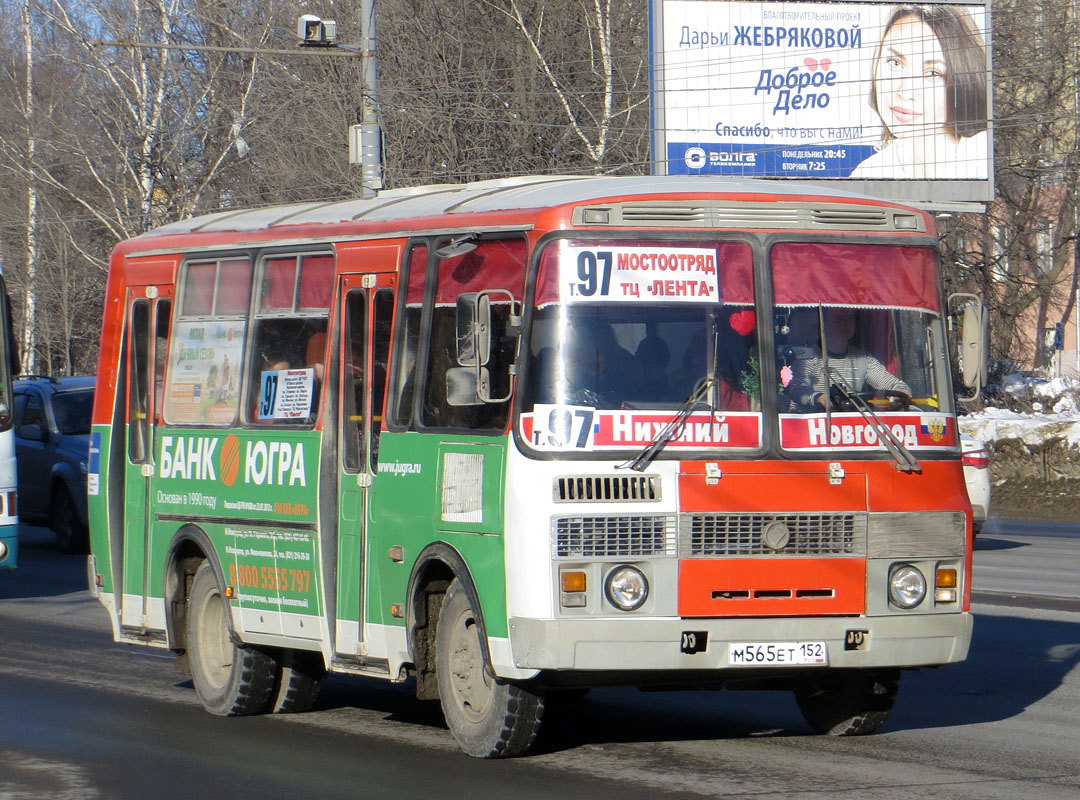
{"points": [[315, 355], [805, 387]]}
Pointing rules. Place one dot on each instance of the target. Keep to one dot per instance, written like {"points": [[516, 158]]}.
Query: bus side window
{"points": [[403, 386], [495, 264], [161, 352], [205, 342], [138, 386], [352, 390], [289, 338], [383, 312]]}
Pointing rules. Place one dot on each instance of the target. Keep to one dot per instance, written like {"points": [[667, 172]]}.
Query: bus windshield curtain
{"points": [[879, 276]]}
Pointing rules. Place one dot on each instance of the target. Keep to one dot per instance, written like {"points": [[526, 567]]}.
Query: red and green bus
{"points": [[520, 438]]}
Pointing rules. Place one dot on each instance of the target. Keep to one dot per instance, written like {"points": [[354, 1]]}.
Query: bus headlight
{"points": [[907, 586], [3, 550], [626, 588]]}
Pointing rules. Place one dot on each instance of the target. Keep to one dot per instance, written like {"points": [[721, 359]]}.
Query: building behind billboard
{"points": [[887, 100]]}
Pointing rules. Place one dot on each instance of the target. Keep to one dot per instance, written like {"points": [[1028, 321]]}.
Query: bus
{"points": [[514, 439], [9, 366]]}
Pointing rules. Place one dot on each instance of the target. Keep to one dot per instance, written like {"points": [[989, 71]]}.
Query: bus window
{"points": [[201, 383], [288, 350], [497, 264], [352, 393], [383, 313], [161, 352], [876, 308], [139, 387], [404, 380]]}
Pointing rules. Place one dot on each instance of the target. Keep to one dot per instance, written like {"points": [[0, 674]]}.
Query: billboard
{"points": [[886, 99]]}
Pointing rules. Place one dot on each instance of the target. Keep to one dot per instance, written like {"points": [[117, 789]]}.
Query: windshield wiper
{"points": [[669, 431], [905, 460]]}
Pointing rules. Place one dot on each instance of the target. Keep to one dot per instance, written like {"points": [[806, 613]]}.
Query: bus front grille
{"points": [[769, 534], [614, 536], [606, 488]]}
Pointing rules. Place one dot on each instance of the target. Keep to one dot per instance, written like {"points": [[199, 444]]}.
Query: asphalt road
{"points": [[82, 717]]}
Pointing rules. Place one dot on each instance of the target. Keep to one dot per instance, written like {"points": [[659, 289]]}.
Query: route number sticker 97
{"points": [[635, 274], [563, 427]]}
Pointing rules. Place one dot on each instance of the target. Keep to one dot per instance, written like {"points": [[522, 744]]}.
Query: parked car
{"points": [[52, 441], [976, 461]]}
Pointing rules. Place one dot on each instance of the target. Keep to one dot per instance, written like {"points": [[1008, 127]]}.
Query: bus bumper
{"points": [[658, 644]]}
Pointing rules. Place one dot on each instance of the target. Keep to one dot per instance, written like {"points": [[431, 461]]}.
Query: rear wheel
{"points": [[298, 681], [230, 679], [488, 717], [847, 702], [71, 534]]}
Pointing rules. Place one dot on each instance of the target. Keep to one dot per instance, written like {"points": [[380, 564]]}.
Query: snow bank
{"points": [[1054, 415]]}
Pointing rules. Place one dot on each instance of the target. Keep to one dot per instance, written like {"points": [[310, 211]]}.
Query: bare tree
{"points": [[1020, 256]]}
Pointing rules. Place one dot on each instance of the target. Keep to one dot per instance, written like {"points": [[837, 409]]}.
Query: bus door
{"points": [[148, 312], [366, 308]]}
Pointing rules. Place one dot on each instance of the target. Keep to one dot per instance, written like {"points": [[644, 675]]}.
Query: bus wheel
{"points": [[847, 702], [230, 679], [488, 718], [298, 681]]}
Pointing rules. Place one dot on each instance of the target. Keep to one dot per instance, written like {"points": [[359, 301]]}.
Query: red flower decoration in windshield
{"points": [[743, 322]]}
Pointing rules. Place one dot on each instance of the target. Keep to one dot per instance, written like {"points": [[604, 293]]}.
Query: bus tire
{"points": [[488, 717], [298, 681], [847, 702], [230, 679]]}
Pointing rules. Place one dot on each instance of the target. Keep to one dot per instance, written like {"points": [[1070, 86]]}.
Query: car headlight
{"points": [[626, 588], [907, 586]]}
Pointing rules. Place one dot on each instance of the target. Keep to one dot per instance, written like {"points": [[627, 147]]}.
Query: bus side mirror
{"points": [[974, 340], [470, 383], [473, 329], [468, 386]]}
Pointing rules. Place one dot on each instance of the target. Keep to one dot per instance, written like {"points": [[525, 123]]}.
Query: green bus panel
{"points": [[437, 488]]}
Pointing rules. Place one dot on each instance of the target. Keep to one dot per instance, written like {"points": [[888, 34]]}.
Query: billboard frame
{"points": [[938, 194]]}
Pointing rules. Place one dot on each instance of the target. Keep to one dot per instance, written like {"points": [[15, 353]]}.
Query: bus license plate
{"points": [[776, 654]]}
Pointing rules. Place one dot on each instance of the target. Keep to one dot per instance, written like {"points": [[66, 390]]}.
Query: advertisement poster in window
{"points": [[875, 91], [203, 379]]}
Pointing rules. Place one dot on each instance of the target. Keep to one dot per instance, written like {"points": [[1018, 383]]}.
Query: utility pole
{"points": [[365, 139], [370, 131]]}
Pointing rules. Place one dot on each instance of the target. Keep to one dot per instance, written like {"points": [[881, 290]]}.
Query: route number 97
{"points": [[594, 272], [563, 426]]}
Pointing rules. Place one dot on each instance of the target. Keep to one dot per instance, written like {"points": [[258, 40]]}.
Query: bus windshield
{"points": [[874, 311], [635, 326]]}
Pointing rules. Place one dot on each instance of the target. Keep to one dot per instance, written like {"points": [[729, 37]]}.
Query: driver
{"points": [[855, 369]]}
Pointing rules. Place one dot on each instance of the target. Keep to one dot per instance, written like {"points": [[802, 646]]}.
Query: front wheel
{"points": [[230, 679], [488, 717], [851, 702]]}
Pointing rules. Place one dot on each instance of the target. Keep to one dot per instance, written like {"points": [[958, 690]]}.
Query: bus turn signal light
{"points": [[945, 585], [946, 578], [573, 581]]}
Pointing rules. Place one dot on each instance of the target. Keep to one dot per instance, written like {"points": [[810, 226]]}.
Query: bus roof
{"points": [[507, 194]]}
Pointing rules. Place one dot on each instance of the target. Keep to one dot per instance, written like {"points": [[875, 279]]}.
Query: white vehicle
{"points": [[977, 477]]}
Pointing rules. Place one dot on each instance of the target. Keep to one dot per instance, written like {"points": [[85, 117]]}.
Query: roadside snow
{"points": [[1055, 414]]}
